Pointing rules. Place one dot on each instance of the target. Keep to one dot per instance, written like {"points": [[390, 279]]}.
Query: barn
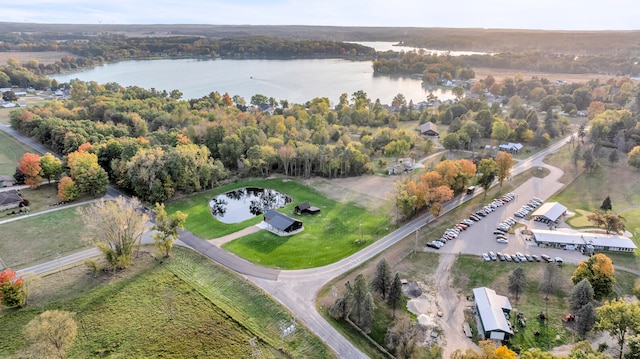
{"points": [[429, 129], [494, 311], [280, 223]]}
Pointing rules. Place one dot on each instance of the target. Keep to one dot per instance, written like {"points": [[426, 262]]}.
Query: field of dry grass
{"points": [[45, 57], [499, 74]]}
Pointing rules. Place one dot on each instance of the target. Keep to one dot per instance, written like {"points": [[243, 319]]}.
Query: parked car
{"points": [[486, 257], [536, 258], [558, 261], [502, 240], [433, 245], [546, 258], [529, 258], [493, 256], [500, 256], [521, 257], [508, 257]]}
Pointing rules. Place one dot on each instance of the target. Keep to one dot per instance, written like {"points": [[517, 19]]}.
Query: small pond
{"points": [[244, 203]]}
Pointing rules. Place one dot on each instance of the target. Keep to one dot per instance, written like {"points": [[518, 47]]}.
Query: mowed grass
{"points": [[38, 239], [328, 236], [471, 272], [10, 152], [154, 314]]}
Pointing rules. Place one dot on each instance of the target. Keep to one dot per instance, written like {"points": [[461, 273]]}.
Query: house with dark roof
{"points": [[429, 129], [494, 312], [305, 207], [280, 223], [10, 199]]}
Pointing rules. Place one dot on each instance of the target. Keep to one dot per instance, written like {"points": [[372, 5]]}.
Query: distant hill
{"points": [[624, 43]]}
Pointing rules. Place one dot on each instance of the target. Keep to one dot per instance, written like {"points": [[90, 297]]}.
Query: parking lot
{"points": [[479, 237]]}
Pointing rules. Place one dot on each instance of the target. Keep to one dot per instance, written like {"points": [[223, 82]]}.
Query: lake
{"points": [[392, 46], [297, 81]]}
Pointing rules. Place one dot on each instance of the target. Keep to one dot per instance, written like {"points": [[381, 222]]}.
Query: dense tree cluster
{"points": [[156, 145], [433, 68]]}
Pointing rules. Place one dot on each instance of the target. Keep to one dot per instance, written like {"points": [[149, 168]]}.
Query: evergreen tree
{"points": [[581, 295], [614, 157], [606, 204], [362, 305], [381, 282], [517, 281], [395, 294], [586, 319]]}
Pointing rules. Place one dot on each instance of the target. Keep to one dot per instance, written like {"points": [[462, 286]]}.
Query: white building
{"points": [[567, 238]]}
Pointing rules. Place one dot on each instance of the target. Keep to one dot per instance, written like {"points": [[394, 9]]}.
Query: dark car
{"points": [[536, 258], [432, 245]]}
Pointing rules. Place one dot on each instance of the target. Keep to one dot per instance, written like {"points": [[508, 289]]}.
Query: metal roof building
{"points": [[493, 310], [566, 237], [551, 211]]}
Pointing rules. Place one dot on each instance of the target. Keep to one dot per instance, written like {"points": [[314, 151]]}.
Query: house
{"points": [[429, 129], [494, 312], [551, 211], [6, 181], [511, 147], [10, 199], [306, 208], [280, 223]]}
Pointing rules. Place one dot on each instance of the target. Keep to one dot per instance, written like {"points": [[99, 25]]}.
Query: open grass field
{"points": [[186, 307], [328, 236], [10, 152], [38, 239]]}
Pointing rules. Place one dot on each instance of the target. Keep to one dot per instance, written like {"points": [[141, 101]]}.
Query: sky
{"points": [[513, 14]]}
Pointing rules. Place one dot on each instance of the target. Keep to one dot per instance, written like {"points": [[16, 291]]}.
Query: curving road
{"points": [[297, 289]]}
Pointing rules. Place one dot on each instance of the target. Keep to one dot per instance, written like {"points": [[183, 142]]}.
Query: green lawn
{"points": [[10, 152], [328, 236], [186, 307], [38, 239]]}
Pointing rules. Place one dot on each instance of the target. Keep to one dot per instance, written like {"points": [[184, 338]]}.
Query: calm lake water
{"points": [[297, 81], [244, 203]]}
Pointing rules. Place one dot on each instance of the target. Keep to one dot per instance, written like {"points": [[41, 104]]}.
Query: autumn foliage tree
{"points": [[87, 173], [29, 165], [51, 166], [67, 189], [12, 291], [599, 271], [117, 227], [51, 334], [166, 228], [504, 161]]}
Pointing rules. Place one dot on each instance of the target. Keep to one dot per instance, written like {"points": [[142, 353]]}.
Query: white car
{"points": [[521, 257], [486, 257], [502, 240]]}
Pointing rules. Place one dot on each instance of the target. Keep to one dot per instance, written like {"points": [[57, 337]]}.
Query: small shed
{"points": [[305, 207], [281, 222], [10, 199], [429, 129]]}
